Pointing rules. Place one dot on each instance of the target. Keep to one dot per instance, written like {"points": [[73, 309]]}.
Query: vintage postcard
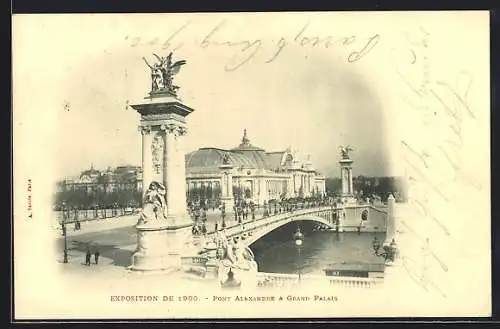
{"points": [[251, 165]]}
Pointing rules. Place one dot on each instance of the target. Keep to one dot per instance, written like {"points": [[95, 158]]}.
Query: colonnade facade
{"points": [[203, 188], [258, 188]]}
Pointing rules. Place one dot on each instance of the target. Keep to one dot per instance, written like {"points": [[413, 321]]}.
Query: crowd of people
{"points": [[88, 256], [244, 210]]}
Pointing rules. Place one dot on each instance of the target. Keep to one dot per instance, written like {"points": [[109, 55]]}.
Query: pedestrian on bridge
{"points": [[96, 256], [88, 255]]}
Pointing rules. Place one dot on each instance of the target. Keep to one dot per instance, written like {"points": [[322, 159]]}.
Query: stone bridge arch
{"points": [[258, 233]]}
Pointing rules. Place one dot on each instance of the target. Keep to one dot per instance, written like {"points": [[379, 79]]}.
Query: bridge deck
{"points": [[321, 214]]}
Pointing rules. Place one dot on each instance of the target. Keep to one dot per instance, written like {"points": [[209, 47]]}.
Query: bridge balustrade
{"points": [[325, 212], [252, 225], [281, 279]]}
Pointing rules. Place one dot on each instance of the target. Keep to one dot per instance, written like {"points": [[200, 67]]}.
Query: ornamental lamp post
{"points": [[299, 239], [376, 245], [332, 209], [389, 251], [65, 217]]}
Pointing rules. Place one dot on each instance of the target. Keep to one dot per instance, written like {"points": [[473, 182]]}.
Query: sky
{"points": [[308, 108], [82, 71]]}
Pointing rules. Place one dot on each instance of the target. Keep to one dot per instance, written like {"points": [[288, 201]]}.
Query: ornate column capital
{"points": [[182, 131], [174, 129], [171, 128], [144, 130]]}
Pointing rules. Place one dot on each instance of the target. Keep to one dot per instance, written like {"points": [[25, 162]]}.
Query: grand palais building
{"points": [[249, 172]]}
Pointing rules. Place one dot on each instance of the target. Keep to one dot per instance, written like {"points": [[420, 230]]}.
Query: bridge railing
{"points": [[281, 279], [249, 226]]}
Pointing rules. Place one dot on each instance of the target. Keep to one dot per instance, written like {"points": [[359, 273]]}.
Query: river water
{"points": [[277, 252]]}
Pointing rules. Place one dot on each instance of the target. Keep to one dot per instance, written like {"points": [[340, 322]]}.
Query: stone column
{"points": [[147, 161], [262, 190], [223, 185], [227, 186], [268, 189], [306, 183], [310, 184], [181, 165], [390, 225], [162, 240], [290, 185], [351, 189], [346, 177], [345, 189], [218, 188], [175, 174]]}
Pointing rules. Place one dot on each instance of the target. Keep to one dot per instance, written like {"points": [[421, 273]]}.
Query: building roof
{"points": [[92, 172], [274, 159], [209, 159], [245, 144]]}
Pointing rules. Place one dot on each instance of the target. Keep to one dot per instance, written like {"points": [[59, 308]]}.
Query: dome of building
{"points": [[210, 159], [245, 144], [244, 156]]}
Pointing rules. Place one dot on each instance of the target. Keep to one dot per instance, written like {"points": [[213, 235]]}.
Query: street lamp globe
{"points": [[299, 237]]}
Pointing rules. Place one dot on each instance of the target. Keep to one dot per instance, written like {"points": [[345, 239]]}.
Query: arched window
{"points": [[364, 215]]}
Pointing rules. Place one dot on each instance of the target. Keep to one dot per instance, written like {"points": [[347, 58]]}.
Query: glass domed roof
{"points": [[208, 160]]}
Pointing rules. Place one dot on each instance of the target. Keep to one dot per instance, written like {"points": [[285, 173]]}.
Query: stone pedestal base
{"points": [[160, 247], [179, 221], [212, 269], [180, 242], [152, 249], [247, 277]]}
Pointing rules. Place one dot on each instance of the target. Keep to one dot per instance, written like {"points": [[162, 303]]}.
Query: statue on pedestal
{"points": [[162, 74], [344, 151], [239, 261], [225, 158], [154, 205]]}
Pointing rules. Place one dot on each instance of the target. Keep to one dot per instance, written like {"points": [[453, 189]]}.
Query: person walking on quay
{"points": [[96, 256], [87, 257]]}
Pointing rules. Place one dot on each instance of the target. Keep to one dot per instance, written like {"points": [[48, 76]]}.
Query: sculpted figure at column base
{"points": [[154, 208]]}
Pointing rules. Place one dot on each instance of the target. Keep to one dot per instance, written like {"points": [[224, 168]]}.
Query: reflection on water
{"points": [[277, 252]]}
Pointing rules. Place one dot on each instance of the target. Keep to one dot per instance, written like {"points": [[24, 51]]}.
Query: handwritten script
{"points": [[434, 162], [245, 50]]}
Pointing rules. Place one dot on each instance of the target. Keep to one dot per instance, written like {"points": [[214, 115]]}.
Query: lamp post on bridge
{"points": [[299, 238], [389, 251], [65, 217]]}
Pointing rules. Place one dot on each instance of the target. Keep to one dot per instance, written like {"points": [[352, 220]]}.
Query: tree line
{"points": [[83, 199], [369, 186], [80, 198]]}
